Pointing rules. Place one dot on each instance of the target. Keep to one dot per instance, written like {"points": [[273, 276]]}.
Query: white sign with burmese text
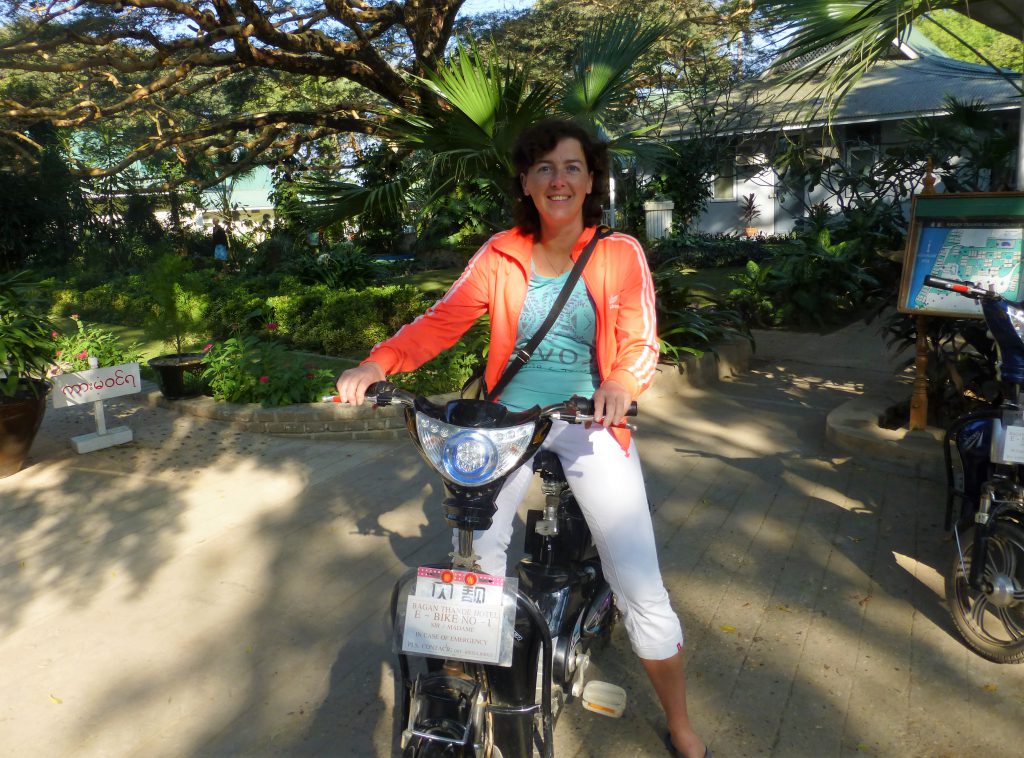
{"points": [[95, 384]]}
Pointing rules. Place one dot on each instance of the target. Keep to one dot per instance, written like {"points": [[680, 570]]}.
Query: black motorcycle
{"points": [[984, 454], [487, 663]]}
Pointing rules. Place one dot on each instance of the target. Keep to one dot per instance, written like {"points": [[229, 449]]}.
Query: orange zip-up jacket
{"points": [[496, 280]]}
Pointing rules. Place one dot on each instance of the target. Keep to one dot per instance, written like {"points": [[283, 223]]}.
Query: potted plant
{"points": [[26, 350], [748, 212], [176, 317]]}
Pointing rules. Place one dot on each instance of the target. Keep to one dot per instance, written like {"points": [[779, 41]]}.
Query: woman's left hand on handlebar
{"points": [[611, 401]]}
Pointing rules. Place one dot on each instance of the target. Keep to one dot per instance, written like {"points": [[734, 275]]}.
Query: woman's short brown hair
{"points": [[539, 140]]}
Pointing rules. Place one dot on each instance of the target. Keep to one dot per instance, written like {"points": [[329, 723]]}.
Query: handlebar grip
{"points": [[967, 289], [585, 406]]}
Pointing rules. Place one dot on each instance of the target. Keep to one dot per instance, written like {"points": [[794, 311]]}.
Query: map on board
{"points": [[987, 254]]}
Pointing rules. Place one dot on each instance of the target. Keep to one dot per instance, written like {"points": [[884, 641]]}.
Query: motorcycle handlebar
{"points": [[967, 289], [574, 410]]}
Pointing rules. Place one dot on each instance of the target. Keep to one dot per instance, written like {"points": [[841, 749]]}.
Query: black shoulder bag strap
{"points": [[522, 356]]}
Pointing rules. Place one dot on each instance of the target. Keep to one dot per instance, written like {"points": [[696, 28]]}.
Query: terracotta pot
{"points": [[20, 417], [170, 373]]}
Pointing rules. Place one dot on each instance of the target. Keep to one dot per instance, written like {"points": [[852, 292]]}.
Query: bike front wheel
{"points": [[991, 620]]}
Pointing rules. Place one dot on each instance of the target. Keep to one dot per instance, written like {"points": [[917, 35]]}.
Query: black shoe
{"points": [[676, 754]]}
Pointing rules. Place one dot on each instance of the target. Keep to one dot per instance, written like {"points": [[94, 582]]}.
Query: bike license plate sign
{"points": [[1008, 439], [460, 615]]}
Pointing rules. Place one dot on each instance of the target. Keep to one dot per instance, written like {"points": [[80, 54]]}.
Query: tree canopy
{"points": [[237, 82]]}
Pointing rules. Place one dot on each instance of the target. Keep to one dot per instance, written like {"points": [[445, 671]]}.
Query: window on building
{"points": [[724, 180]]}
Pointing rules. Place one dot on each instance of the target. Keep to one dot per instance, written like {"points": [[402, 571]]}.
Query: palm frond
{"points": [[602, 75], [328, 202]]}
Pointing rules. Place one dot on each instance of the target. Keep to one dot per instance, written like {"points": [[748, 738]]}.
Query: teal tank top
{"points": [[565, 362]]}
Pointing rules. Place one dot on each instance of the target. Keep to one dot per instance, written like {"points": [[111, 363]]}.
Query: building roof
{"points": [[248, 192], [891, 90]]}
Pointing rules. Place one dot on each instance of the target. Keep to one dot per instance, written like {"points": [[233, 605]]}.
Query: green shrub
{"points": [[252, 370], [818, 282], [235, 310], [72, 351], [750, 298], [686, 324], [712, 250]]}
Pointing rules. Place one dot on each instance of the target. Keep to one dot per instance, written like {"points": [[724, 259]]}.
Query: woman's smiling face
{"points": [[558, 183]]}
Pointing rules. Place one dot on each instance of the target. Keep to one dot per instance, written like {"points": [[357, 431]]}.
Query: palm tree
{"points": [[840, 39], [477, 104], [836, 41]]}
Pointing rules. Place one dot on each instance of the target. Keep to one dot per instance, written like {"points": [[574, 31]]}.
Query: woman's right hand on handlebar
{"points": [[353, 382]]}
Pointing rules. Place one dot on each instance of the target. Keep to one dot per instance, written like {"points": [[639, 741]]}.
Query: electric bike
{"points": [[984, 453], [486, 663]]}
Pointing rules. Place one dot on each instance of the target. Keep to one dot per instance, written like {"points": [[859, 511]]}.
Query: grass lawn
{"points": [[431, 282]]}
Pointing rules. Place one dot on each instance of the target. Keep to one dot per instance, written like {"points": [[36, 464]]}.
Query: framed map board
{"points": [[974, 237]]}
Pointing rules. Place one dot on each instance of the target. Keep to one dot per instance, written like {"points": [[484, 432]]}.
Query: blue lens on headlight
{"points": [[469, 457]]}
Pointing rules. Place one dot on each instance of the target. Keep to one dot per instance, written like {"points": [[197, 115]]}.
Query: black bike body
{"points": [[562, 605]]}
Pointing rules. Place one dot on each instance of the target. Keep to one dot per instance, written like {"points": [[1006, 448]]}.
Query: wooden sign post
{"points": [[94, 386]]}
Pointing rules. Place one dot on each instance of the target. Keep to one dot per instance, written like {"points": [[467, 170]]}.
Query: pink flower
{"points": [[74, 316], [53, 334], [83, 355], [59, 352], [264, 379], [272, 326], [208, 347]]}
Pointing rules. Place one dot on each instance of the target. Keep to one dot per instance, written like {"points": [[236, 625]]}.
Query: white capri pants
{"points": [[609, 486]]}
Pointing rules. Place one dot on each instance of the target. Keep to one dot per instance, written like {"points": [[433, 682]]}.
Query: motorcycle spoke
{"points": [[977, 611], [1013, 628], [1005, 553]]}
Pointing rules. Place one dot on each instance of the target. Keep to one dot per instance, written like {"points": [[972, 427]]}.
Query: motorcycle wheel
{"points": [[991, 622]]}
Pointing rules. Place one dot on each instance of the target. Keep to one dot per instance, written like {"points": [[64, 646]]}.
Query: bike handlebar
{"points": [[575, 410], [967, 289]]}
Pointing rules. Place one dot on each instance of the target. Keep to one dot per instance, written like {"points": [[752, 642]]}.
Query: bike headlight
{"points": [[472, 457]]}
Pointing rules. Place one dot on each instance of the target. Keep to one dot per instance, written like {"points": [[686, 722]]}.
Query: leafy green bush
{"points": [[350, 321], [236, 310], [72, 351], [818, 282], [685, 325], [253, 370], [750, 297], [712, 250]]}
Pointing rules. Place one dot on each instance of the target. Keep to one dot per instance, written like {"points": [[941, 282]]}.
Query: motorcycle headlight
{"points": [[472, 457]]}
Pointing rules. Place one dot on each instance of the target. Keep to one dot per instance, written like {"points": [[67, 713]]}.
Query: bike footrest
{"points": [[605, 698]]}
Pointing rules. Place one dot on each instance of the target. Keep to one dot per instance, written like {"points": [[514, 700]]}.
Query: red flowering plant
{"points": [[71, 352], [254, 370]]}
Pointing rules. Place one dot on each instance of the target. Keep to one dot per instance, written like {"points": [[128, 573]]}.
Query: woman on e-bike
{"points": [[603, 344]]}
